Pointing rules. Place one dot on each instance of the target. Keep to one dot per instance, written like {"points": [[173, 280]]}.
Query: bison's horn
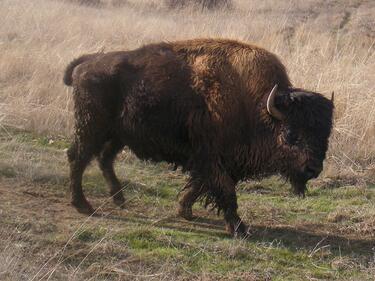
{"points": [[271, 108], [332, 97]]}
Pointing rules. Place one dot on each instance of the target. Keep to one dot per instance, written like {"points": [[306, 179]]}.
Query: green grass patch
{"points": [[92, 234]]}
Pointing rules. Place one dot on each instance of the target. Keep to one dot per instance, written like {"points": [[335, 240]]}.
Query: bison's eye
{"points": [[291, 137]]}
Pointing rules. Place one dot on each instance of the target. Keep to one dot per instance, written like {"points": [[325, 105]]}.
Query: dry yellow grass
{"points": [[326, 47]]}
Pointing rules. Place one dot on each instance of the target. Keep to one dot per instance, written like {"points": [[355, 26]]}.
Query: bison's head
{"points": [[305, 122]]}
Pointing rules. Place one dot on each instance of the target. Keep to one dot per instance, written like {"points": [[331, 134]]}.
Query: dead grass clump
{"points": [[343, 263], [203, 4], [10, 256], [90, 3], [337, 217], [367, 226], [354, 219]]}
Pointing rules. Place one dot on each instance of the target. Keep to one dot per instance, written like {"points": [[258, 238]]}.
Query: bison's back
{"points": [[157, 106]]}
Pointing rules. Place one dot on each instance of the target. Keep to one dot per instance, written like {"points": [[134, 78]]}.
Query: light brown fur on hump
{"points": [[206, 84], [257, 68], [221, 66]]}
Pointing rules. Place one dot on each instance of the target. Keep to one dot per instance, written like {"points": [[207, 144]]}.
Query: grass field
{"points": [[327, 236], [325, 45]]}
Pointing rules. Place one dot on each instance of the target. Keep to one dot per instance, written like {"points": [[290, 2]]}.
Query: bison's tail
{"points": [[68, 75]]}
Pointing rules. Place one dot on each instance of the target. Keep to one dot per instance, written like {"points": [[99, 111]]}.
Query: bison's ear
{"points": [[299, 96], [302, 102]]}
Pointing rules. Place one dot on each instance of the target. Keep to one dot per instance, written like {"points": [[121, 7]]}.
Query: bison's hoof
{"points": [[300, 194], [239, 230], [185, 213], [83, 207], [119, 200]]}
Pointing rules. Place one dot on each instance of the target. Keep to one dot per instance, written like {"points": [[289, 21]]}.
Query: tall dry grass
{"points": [[325, 48]]}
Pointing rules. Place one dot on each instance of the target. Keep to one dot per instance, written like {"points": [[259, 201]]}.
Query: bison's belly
{"points": [[156, 144], [154, 116], [158, 149]]}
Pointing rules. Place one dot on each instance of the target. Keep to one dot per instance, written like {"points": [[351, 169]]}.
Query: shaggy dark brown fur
{"points": [[199, 104]]}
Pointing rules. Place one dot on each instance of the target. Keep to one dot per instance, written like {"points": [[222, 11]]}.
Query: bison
{"points": [[223, 110]]}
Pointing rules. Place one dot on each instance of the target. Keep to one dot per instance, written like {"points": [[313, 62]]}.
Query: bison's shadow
{"points": [[301, 238], [295, 238], [292, 238]]}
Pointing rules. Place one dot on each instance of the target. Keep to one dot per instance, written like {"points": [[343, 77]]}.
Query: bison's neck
{"points": [[255, 157]]}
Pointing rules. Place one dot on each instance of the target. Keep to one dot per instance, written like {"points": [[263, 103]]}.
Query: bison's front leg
{"points": [[226, 200], [299, 187], [233, 223]]}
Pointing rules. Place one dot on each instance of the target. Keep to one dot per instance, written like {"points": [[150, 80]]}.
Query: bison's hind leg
{"points": [[79, 157], [188, 197], [106, 159]]}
